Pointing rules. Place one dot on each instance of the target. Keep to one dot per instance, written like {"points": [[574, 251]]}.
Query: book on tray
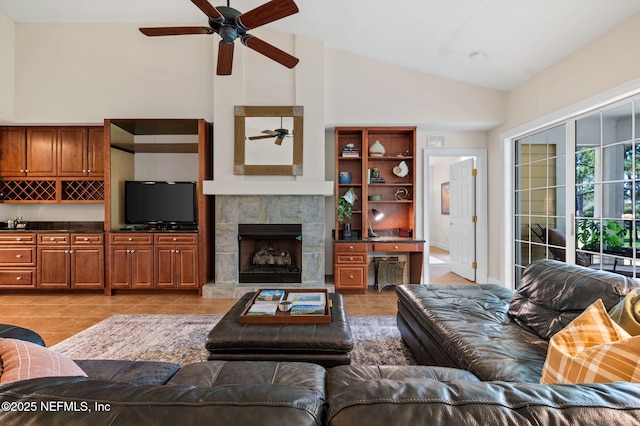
{"points": [[267, 309], [270, 296], [302, 309], [311, 298]]}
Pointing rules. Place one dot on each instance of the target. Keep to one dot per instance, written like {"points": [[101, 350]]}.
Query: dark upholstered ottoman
{"points": [[324, 344]]}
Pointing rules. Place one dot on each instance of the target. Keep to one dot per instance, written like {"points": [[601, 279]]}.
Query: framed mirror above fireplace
{"points": [[268, 140]]}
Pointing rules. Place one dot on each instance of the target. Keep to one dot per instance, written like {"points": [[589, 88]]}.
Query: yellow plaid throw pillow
{"points": [[592, 349]]}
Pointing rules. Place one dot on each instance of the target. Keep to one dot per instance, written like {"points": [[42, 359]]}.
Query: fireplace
{"points": [[269, 253]]}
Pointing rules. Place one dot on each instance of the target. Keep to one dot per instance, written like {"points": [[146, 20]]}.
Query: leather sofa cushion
{"points": [[404, 401], [470, 326], [137, 372], [14, 332], [227, 373], [552, 294]]}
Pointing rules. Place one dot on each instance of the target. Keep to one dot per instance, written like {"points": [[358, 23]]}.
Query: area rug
{"points": [[181, 339]]}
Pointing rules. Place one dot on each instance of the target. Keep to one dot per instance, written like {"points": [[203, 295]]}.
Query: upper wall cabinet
{"points": [[51, 164], [51, 151], [80, 151]]}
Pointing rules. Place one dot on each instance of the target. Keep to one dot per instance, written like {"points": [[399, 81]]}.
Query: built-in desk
{"points": [[350, 259]]}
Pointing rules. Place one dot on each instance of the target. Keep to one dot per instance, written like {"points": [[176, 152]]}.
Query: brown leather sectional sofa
{"points": [[495, 380]]}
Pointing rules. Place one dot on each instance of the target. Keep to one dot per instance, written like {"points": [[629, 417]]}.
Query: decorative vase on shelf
{"points": [[376, 150], [346, 232], [344, 177]]}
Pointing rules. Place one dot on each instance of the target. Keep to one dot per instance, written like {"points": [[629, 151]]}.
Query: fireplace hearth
{"points": [[269, 253]]}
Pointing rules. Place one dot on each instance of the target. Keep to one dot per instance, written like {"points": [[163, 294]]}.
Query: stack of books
{"points": [[266, 302], [351, 152]]}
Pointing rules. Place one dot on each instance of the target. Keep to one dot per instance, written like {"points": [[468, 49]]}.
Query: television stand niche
{"points": [[165, 256]]}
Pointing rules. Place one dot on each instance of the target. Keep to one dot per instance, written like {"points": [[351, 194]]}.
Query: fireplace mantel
{"points": [[270, 187]]}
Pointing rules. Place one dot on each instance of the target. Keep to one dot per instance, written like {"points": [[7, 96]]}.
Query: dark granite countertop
{"points": [[75, 227]]}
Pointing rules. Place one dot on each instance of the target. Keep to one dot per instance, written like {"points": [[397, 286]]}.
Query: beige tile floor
{"points": [[58, 316]]}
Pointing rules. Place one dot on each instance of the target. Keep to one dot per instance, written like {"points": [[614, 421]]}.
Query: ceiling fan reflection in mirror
{"points": [[279, 134], [231, 24]]}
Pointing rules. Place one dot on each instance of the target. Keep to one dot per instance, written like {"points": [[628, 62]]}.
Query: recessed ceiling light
{"points": [[477, 55]]}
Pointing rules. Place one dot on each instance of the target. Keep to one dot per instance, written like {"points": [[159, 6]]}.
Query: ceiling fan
{"points": [[230, 24], [279, 134]]}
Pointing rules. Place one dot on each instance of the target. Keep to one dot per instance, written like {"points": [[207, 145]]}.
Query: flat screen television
{"points": [[157, 202]]}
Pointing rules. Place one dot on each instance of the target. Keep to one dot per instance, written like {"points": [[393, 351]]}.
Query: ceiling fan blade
{"points": [[268, 12], [209, 10], [225, 58], [168, 31], [279, 140], [253, 138], [270, 51], [270, 132]]}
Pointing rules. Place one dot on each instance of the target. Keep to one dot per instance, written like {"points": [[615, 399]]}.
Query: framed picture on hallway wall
{"points": [[444, 198]]}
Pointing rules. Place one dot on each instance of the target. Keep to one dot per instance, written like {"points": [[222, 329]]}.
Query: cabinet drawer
{"points": [[351, 277], [14, 239], [18, 278], [399, 247], [350, 247], [351, 258], [87, 239], [54, 239], [176, 238], [128, 239], [17, 256]]}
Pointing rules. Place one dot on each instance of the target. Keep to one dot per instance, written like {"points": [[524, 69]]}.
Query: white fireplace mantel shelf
{"points": [[239, 187]]}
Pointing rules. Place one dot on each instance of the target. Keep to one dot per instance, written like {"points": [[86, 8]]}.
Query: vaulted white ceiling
{"points": [[517, 38]]}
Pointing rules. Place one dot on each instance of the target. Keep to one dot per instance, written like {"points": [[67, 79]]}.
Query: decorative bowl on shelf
{"points": [[375, 197]]}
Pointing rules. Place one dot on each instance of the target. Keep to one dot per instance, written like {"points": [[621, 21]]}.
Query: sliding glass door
{"points": [[540, 197], [577, 192]]}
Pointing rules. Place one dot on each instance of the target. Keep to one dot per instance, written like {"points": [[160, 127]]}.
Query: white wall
{"points": [[7, 69]]}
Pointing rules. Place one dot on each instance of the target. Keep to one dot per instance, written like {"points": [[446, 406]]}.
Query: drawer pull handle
{"points": [[351, 276], [52, 239], [351, 258], [19, 256], [18, 278], [130, 239], [19, 239], [86, 239], [175, 239], [396, 247], [350, 247]]}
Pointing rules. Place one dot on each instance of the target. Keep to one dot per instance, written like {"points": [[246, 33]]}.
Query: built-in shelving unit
{"points": [[396, 195]]}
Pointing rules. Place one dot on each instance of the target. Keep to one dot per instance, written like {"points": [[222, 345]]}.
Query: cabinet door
{"points": [[165, 267], [351, 277], [42, 151], [13, 153], [120, 267], [186, 261], [72, 151], [87, 267], [95, 165], [53, 267], [141, 267]]}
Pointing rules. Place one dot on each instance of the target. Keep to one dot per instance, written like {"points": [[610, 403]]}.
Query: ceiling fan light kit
{"points": [[231, 24]]}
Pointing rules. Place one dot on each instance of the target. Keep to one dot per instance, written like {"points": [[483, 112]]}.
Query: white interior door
{"points": [[462, 232]]}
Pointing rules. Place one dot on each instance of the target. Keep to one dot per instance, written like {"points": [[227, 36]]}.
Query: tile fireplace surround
{"points": [[232, 210]]}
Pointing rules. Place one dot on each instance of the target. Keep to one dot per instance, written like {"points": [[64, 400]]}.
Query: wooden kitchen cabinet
{"points": [[17, 260], [131, 261], [80, 151], [13, 151], [176, 261], [70, 261], [30, 151]]}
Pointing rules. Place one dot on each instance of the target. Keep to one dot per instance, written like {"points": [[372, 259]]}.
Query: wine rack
{"points": [[51, 190], [82, 190]]}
